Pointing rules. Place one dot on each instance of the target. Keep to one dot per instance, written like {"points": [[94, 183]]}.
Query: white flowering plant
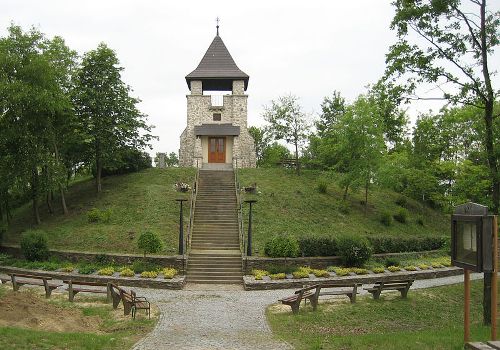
{"points": [[182, 187]]}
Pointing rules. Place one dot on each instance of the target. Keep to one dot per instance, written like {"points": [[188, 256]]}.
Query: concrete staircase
{"points": [[215, 255]]}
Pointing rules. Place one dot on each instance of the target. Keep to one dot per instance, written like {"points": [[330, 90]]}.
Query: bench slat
{"points": [[29, 276]]}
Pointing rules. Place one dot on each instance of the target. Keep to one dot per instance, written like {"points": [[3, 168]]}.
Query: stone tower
{"points": [[216, 130]]}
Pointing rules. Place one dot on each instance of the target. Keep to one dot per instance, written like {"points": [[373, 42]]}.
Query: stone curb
{"points": [[174, 283], [250, 283]]}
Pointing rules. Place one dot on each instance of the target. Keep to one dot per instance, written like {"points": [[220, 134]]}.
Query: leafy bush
{"points": [[126, 272], [410, 268], [445, 261], [102, 259], [401, 216], [420, 221], [87, 269], [169, 272], [318, 246], [140, 266], [320, 273], [354, 251], [282, 246], [386, 218], [394, 268], [258, 274], [344, 207], [423, 267], [68, 268], [402, 202], [395, 244], [322, 187], [34, 245], [149, 274], [273, 269], [149, 242], [359, 271], [392, 262], [3, 231], [107, 271], [339, 271], [97, 215], [278, 276], [436, 265], [300, 274], [378, 270]]}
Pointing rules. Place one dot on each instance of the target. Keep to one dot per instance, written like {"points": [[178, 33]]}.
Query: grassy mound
{"points": [[296, 205], [135, 202]]}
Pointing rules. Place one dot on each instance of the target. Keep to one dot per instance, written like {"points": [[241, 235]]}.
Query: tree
{"points": [[261, 140], [449, 44], [287, 122], [273, 154], [332, 109], [172, 159], [107, 112]]}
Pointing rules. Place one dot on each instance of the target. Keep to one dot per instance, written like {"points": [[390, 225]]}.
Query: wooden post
{"points": [[466, 305], [494, 280]]}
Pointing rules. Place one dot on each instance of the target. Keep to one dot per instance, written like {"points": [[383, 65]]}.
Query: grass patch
{"points": [[137, 202], [292, 204], [428, 319]]}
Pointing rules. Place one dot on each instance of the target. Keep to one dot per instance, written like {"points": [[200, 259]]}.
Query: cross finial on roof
{"points": [[217, 19]]}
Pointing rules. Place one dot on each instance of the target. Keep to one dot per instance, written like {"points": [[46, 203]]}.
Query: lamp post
{"points": [[181, 227], [249, 242]]}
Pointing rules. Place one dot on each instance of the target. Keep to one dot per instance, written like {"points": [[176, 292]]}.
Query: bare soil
{"points": [[26, 309]]}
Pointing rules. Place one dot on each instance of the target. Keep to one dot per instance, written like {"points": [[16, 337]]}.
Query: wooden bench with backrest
{"points": [[348, 289], [131, 302], [19, 279], [302, 294], [115, 295], [402, 286], [75, 287]]}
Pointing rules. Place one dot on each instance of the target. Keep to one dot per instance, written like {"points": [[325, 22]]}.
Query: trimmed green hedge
{"points": [[390, 244]]}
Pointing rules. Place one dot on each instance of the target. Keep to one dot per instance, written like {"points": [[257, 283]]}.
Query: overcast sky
{"points": [[306, 48]]}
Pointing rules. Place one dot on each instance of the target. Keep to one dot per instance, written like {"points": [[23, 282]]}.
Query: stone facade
{"points": [[239, 148]]}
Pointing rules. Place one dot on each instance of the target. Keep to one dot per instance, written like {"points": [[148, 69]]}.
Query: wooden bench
{"points": [[349, 290], [132, 303], [33, 280], [75, 287], [402, 286], [115, 295], [310, 293]]}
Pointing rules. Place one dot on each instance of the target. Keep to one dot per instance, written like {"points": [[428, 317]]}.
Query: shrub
{"points": [[402, 202], [258, 274], [339, 271], [105, 215], [401, 216], [282, 246], [102, 259], [436, 265], [169, 272], [394, 268], [149, 274], [278, 276], [386, 218], [322, 187], [410, 268], [126, 272], [420, 221], [423, 267], [344, 208], [318, 246], [359, 271], [140, 266], [87, 269], [391, 262], [273, 269], [34, 245], [149, 242], [67, 268], [320, 273], [378, 270], [3, 231], [96, 215], [107, 271], [445, 261], [395, 244], [354, 251], [300, 274]]}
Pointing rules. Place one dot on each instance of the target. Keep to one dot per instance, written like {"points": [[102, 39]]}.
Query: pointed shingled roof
{"points": [[217, 69]]}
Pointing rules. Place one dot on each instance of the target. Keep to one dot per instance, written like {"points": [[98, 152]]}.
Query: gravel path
{"points": [[224, 317]]}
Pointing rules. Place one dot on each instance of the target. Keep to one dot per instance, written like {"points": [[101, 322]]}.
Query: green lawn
{"points": [[428, 319], [138, 202], [288, 203]]}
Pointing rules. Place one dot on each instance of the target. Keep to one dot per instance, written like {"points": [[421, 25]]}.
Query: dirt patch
{"points": [[28, 310]]}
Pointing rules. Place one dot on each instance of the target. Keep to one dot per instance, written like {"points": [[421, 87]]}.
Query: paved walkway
{"points": [[224, 317]]}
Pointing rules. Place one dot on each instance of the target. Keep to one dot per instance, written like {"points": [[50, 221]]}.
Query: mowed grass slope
{"points": [[292, 204], [429, 319], [138, 202]]}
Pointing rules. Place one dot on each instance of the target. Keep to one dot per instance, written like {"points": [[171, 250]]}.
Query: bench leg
{"points": [[314, 303], [404, 293], [352, 297], [127, 307], [15, 286], [72, 294], [376, 294], [116, 300], [134, 311], [295, 308]]}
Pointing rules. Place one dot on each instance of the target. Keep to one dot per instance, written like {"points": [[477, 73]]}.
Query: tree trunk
{"points": [[98, 165], [34, 196], [49, 203], [344, 197], [8, 214], [1, 209], [367, 185], [63, 199], [297, 164]]}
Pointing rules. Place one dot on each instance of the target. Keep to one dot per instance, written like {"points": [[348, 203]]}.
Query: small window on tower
{"points": [[217, 117]]}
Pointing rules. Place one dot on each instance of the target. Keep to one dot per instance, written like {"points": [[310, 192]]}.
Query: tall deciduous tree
{"points": [[107, 112], [288, 123], [450, 44], [261, 139]]}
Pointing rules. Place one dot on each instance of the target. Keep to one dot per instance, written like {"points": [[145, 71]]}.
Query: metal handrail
{"points": [[192, 207], [240, 206]]}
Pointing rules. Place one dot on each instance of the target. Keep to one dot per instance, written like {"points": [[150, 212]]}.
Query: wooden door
{"points": [[217, 150]]}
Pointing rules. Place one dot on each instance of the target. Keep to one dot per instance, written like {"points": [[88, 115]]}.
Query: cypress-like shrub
{"points": [[282, 246], [354, 251]]}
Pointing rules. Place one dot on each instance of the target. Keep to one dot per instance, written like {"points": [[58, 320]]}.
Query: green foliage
{"points": [[277, 276], [169, 272], [359, 271], [386, 218], [127, 272], [273, 154], [410, 268], [401, 216], [390, 244], [150, 243], [320, 273], [393, 268], [282, 246], [149, 274], [318, 246], [107, 271], [322, 187], [339, 271], [354, 251], [378, 270], [98, 215], [273, 269], [140, 266], [87, 269], [34, 245], [302, 272], [420, 221], [392, 262], [402, 202], [258, 274]]}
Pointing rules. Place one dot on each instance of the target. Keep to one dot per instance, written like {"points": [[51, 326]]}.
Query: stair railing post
{"points": [[249, 239], [181, 227]]}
